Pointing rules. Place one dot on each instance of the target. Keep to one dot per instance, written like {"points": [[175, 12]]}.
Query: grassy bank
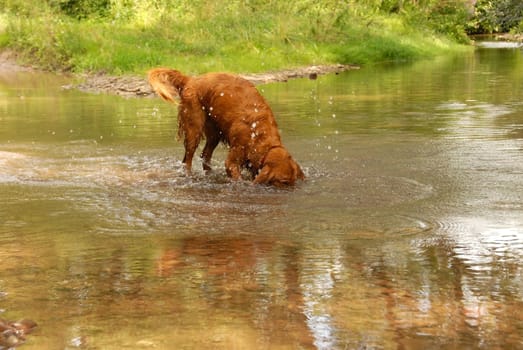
{"points": [[122, 37]]}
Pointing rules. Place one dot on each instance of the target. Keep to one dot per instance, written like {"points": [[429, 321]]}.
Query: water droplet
{"points": [[221, 93], [253, 125], [256, 110]]}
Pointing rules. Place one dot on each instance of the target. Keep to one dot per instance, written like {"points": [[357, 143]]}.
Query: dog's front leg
{"points": [[233, 163]]}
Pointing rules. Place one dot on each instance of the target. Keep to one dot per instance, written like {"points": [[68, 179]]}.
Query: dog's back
{"points": [[231, 96]]}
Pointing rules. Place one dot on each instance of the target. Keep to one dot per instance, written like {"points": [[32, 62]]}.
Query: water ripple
{"points": [[480, 243]]}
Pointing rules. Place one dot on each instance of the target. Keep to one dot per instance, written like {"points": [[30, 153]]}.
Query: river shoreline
{"points": [[137, 86]]}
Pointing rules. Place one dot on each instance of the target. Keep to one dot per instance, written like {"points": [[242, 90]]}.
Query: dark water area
{"points": [[407, 233]]}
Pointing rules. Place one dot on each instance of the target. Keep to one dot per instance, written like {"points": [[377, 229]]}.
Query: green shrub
{"points": [[496, 16], [82, 9], [127, 36]]}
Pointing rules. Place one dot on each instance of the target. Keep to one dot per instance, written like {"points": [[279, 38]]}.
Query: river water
{"points": [[407, 233]]}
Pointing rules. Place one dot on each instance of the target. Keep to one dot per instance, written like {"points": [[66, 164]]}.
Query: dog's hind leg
{"points": [[191, 123], [191, 144], [213, 137]]}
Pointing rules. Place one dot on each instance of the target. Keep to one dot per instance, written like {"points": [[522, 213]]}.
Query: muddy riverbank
{"points": [[8, 62], [137, 86]]}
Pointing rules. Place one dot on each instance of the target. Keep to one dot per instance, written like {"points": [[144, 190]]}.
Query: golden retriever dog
{"points": [[226, 108]]}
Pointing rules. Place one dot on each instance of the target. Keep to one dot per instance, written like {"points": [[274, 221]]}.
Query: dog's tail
{"points": [[167, 83]]}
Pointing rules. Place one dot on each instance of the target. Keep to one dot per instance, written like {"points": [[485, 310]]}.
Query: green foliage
{"points": [[496, 16], [122, 36], [519, 28], [449, 17], [82, 9]]}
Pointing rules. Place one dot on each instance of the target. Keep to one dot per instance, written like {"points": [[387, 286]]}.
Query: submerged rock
{"points": [[12, 334]]}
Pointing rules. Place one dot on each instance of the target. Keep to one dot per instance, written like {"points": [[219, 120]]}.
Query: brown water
{"points": [[407, 234]]}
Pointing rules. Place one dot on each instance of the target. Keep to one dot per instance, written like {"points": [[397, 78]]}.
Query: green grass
{"points": [[199, 36]]}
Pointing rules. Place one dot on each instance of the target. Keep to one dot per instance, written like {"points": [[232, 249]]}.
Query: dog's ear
{"points": [[279, 169], [275, 176]]}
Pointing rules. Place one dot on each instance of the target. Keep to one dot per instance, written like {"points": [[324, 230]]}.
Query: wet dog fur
{"points": [[222, 107]]}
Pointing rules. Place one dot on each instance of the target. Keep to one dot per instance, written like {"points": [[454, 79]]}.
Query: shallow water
{"points": [[408, 232]]}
